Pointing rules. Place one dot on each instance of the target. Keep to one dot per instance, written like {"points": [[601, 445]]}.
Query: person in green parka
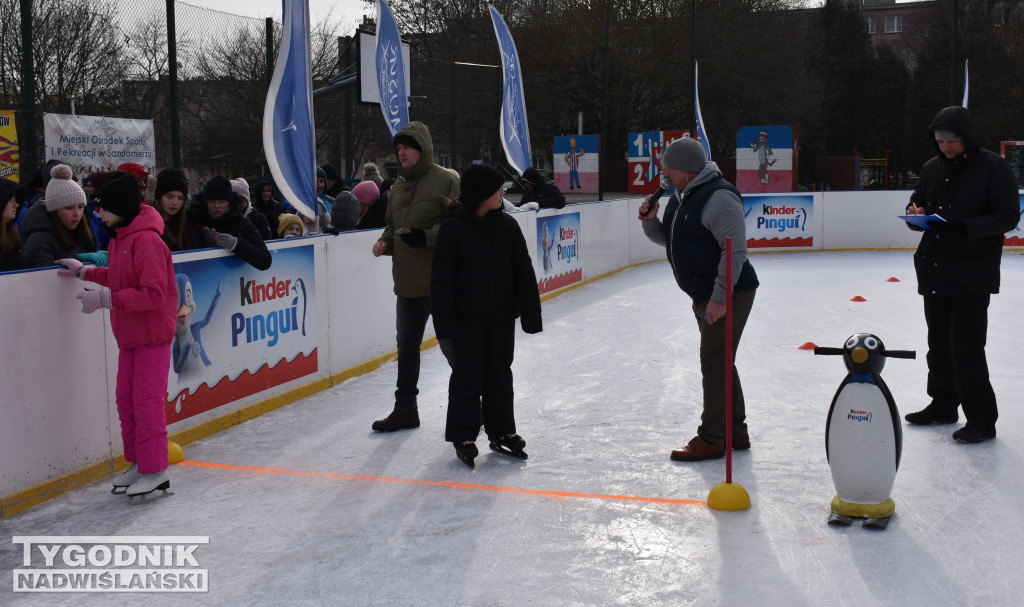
{"points": [[416, 208]]}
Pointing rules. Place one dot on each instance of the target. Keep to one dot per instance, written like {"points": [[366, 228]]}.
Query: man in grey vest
{"points": [[705, 210]]}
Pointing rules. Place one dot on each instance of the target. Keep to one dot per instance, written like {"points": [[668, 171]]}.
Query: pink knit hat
{"points": [[366, 191]]}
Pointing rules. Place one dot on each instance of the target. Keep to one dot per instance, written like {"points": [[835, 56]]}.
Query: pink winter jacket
{"points": [[141, 281]]}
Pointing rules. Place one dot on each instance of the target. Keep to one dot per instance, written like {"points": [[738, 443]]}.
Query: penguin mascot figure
{"points": [[863, 435]]}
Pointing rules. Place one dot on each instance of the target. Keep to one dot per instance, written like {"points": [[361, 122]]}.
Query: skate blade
{"points": [[119, 490], [876, 523], [467, 460], [144, 498], [506, 451]]}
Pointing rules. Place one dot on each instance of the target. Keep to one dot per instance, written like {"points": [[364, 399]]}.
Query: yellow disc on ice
{"points": [[175, 453], [729, 496]]}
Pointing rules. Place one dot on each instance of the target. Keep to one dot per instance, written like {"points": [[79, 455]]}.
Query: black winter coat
{"points": [[482, 272], [250, 246], [42, 247], [977, 188], [545, 194]]}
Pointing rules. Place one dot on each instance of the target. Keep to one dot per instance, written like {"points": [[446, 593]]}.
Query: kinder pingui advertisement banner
{"points": [[645, 151], [240, 330], [9, 167], [90, 144], [779, 221], [558, 238]]}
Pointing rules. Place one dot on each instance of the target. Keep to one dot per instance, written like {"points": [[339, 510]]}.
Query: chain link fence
{"points": [[842, 92]]}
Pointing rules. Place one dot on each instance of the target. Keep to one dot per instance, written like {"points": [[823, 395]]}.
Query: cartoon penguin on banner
{"points": [[863, 434], [188, 340]]}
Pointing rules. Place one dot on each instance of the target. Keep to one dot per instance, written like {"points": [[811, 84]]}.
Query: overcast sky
{"points": [[345, 11]]}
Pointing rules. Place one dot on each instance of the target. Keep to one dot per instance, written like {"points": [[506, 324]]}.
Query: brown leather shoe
{"points": [[740, 442], [698, 449]]}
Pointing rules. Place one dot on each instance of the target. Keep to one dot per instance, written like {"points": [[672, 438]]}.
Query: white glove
{"points": [[531, 206], [72, 267], [94, 300]]}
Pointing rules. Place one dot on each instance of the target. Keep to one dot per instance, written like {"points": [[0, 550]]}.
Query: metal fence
{"points": [[857, 82]]}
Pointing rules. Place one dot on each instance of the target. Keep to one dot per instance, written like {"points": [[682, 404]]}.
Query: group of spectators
{"points": [[54, 216]]}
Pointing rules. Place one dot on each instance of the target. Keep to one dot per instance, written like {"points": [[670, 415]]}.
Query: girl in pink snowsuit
{"points": [[142, 300]]}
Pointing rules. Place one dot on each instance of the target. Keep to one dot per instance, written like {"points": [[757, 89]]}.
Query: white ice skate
{"points": [[126, 478], [148, 483]]}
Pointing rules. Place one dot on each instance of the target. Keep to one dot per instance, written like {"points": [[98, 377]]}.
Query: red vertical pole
{"points": [[728, 360]]}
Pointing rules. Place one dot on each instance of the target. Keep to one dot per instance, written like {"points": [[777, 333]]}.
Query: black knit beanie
{"points": [[171, 180], [478, 183], [404, 139], [120, 195]]}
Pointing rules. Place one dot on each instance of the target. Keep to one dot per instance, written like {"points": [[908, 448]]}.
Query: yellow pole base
{"points": [[729, 496], [175, 453]]}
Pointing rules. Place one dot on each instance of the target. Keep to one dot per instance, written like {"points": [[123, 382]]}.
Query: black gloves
{"points": [[949, 229], [415, 238]]}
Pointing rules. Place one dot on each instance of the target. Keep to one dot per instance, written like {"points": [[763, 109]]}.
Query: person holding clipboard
{"points": [[964, 201]]}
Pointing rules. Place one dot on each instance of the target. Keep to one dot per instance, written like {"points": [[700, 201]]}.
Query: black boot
{"points": [[510, 444], [973, 434], [399, 419], [932, 415], [466, 451]]}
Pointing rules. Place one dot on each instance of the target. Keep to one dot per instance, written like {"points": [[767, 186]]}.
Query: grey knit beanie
{"points": [[684, 154], [62, 190]]}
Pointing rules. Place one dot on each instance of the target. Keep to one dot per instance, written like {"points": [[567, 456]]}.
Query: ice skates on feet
{"points": [[147, 484], [467, 452], [126, 478], [510, 444], [399, 419]]}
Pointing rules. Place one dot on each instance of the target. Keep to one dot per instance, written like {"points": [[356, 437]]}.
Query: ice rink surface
{"points": [[308, 506]]}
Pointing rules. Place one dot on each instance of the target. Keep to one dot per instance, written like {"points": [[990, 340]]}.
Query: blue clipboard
{"points": [[921, 221]]}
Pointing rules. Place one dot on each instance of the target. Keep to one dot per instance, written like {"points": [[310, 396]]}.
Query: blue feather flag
{"points": [[702, 135], [394, 99], [515, 130], [288, 114]]}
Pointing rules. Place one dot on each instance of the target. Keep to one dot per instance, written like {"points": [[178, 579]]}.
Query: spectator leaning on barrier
{"points": [[56, 227], [10, 240], [290, 226], [241, 189], [35, 189], [266, 203], [370, 214], [418, 206], [171, 194], [140, 174], [219, 216], [347, 205], [545, 194], [335, 185]]}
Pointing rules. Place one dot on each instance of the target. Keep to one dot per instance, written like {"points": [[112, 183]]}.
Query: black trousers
{"points": [[957, 367], [411, 315], [480, 389]]}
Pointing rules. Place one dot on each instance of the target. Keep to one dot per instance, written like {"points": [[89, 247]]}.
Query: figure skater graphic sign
{"points": [[558, 238], [240, 330]]}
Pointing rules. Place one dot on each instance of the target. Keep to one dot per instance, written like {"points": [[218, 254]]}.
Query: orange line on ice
{"points": [[364, 477]]}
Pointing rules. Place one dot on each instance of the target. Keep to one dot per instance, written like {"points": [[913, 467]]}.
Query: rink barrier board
{"points": [[46, 461]]}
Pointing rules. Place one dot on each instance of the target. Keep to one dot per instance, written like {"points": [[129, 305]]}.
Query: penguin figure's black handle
{"points": [[824, 350], [901, 354]]}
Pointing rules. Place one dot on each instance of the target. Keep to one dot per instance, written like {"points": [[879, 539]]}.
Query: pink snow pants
{"points": [[141, 396]]}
